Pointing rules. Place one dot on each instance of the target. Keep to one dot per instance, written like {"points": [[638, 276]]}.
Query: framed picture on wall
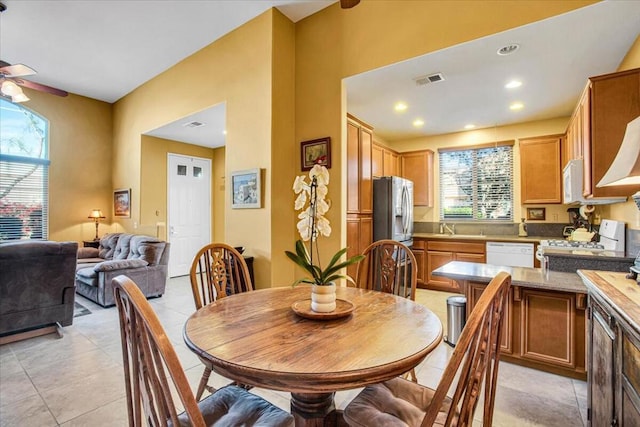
{"points": [[315, 152], [246, 189], [122, 203], [536, 214]]}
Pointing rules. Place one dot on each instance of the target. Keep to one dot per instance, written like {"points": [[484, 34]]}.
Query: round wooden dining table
{"points": [[256, 338]]}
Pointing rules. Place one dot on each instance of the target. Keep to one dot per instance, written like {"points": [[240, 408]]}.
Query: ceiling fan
{"points": [[10, 82], [348, 4]]}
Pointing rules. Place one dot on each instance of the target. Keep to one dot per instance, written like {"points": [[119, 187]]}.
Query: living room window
{"points": [[24, 173], [477, 183]]}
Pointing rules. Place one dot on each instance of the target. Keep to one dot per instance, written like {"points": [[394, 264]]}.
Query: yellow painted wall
{"points": [[235, 69], [80, 135], [153, 179], [285, 159], [220, 197], [627, 212]]}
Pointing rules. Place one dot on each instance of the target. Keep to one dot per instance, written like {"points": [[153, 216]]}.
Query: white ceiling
{"points": [[105, 49], [555, 58]]}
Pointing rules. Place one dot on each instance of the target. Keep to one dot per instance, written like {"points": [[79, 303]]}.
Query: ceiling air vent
{"points": [[431, 78], [193, 124], [508, 49]]}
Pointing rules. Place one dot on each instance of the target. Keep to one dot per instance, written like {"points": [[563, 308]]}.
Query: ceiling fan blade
{"points": [[16, 70], [40, 87], [348, 4]]}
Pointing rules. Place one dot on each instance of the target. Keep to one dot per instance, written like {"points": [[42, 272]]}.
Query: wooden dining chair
{"points": [[152, 369], [389, 266], [474, 362], [217, 270]]}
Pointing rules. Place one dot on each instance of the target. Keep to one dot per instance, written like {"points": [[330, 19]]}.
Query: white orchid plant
{"points": [[313, 205]]}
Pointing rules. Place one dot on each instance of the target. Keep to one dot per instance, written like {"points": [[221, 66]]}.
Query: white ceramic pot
{"points": [[323, 298]]}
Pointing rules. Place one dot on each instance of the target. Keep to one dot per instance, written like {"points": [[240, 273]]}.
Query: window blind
{"points": [[477, 184], [24, 207]]}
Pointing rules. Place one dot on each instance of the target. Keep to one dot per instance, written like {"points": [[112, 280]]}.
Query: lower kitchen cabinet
{"points": [[473, 292], [359, 236], [614, 368], [542, 329], [441, 252], [418, 252]]}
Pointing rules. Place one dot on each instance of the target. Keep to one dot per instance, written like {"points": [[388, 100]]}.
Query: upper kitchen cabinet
{"points": [[359, 174], [384, 161], [578, 133], [418, 167], [613, 101], [540, 169]]}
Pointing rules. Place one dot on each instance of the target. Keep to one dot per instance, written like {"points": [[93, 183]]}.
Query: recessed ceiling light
{"points": [[400, 106], [418, 123], [508, 49], [513, 84], [224, 132], [469, 126], [516, 106]]}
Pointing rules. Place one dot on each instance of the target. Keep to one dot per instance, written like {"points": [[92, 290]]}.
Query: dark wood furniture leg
{"points": [[313, 409]]}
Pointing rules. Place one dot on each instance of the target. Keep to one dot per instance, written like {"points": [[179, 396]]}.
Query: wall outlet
{"points": [[555, 217], [135, 224]]}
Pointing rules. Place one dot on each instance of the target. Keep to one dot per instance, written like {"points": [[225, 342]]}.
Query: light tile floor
{"points": [[77, 380]]}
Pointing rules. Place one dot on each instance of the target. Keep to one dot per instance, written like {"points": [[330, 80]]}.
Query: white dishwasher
{"points": [[510, 254]]}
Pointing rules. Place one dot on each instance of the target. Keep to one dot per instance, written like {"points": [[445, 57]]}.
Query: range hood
{"points": [[572, 194]]}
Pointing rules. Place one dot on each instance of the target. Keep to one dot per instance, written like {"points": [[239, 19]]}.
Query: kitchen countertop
{"points": [[487, 238], [520, 276], [621, 293]]}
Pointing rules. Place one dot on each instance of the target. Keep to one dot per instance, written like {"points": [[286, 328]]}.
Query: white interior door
{"points": [[189, 210]]}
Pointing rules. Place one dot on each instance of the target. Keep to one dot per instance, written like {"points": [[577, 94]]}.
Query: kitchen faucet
{"points": [[444, 228]]}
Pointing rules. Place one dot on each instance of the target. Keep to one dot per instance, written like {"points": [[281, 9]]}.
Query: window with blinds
{"points": [[24, 173], [476, 184]]}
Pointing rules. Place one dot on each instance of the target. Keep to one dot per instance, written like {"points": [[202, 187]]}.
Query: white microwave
{"points": [[572, 179]]}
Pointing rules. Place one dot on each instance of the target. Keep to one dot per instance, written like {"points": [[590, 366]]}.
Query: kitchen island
{"points": [[545, 325]]}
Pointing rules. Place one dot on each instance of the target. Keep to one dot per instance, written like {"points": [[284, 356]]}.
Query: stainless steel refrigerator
{"points": [[393, 209]]}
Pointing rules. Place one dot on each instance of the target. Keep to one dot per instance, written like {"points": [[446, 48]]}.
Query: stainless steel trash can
{"points": [[456, 318]]}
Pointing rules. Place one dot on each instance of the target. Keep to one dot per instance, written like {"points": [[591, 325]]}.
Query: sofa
{"points": [[143, 259], [37, 291]]}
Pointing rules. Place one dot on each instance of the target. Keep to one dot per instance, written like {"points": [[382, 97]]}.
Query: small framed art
{"points": [[122, 203], [315, 152], [536, 214], [246, 189]]}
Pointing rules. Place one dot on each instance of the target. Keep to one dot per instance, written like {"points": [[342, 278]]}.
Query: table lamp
{"points": [[96, 215]]}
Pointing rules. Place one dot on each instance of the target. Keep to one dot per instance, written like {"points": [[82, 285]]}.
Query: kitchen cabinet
{"points": [[418, 167], [418, 250], [474, 291], [577, 134], [377, 161], [540, 170], [543, 329], [598, 125], [547, 327], [614, 355], [384, 161], [359, 188], [440, 253]]}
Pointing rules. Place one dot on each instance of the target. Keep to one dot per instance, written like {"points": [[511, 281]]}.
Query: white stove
{"points": [[572, 245], [611, 238]]}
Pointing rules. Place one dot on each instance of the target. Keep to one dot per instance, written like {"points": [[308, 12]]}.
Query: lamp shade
{"points": [[625, 169], [96, 214]]}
